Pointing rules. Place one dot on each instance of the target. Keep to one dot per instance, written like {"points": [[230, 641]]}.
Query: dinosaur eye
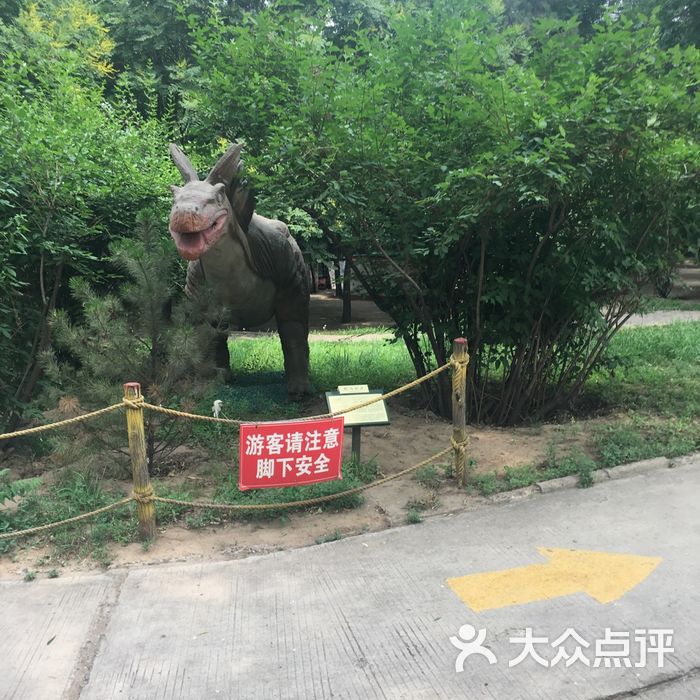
{"points": [[219, 192]]}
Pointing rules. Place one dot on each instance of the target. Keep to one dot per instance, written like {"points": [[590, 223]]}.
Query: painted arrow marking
{"points": [[605, 577]]}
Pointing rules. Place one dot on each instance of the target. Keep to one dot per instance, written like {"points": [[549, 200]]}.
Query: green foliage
{"points": [[413, 517], [74, 493], [679, 22], [330, 537], [650, 369], [17, 487], [552, 468], [428, 477], [513, 171], [73, 171], [518, 183], [137, 334], [353, 475], [643, 437]]}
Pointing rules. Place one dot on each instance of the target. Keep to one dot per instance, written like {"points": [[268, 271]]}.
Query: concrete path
{"points": [[663, 318], [655, 318], [373, 616]]}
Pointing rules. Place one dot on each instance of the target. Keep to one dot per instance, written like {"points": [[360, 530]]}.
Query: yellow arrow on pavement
{"points": [[605, 577]]}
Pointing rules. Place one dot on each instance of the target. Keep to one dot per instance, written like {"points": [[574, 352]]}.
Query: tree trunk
{"points": [[338, 280], [32, 375], [347, 308]]}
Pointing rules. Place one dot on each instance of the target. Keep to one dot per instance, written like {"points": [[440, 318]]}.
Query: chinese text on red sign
{"points": [[290, 453]]}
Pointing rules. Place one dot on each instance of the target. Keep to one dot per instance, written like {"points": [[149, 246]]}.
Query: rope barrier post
{"points": [[143, 491], [356, 442], [460, 358]]}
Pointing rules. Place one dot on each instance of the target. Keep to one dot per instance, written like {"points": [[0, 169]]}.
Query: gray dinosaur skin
{"points": [[251, 264]]}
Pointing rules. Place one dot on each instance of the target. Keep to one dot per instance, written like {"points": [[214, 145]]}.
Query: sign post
{"points": [[356, 442]]}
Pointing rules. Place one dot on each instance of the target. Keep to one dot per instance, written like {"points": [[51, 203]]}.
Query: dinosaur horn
{"points": [[182, 163], [227, 166]]}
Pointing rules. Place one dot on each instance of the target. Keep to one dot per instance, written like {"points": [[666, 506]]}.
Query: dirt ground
{"points": [[412, 436]]}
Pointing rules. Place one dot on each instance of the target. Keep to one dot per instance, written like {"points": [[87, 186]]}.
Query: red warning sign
{"points": [[290, 453]]}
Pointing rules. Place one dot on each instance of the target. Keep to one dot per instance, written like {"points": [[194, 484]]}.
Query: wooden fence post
{"points": [[145, 508], [459, 408]]}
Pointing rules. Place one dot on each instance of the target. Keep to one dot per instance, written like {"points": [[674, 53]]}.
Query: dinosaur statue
{"points": [[251, 265]]}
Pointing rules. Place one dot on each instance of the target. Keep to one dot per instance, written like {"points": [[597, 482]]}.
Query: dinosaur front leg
{"points": [[222, 360], [294, 335]]}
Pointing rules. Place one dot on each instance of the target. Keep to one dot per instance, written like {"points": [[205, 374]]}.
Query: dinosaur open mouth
{"points": [[192, 243]]}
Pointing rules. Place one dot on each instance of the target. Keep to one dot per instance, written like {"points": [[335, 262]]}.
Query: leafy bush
{"points": [[17, 487], [517, 184], [74, 170]]}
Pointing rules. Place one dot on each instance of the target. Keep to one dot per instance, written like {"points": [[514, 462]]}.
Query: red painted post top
{"points": [[132, 389]]}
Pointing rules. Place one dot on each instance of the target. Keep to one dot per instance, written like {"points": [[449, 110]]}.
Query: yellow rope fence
{"points": [[151, 497], [232, 421], [308, 501], [67, 521], [61, 423], [143, 493]]}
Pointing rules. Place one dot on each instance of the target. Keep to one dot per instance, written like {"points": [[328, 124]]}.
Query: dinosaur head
{"points": [[198, 218], [202, 210]]}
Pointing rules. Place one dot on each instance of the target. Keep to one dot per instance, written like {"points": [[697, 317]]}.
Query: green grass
{"points": [[654, 369], [73, 494], [330, 537], [428, 477], [359, 331], [660, 304], [76, 493], [520, 477], [380, 364], [413, 517], [649, 374], [354, 474], [259, 392], [622, 441], [650, 369], [643, 437]]}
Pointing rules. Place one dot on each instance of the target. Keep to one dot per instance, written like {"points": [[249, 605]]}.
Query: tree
{"points": [[139, 332], [679, 20], [74, 171], [514, 184]]}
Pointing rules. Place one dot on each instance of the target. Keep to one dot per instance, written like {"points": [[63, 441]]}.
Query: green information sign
{"points": [[376, 414]]}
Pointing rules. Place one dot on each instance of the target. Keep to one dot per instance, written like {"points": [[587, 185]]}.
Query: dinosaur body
{"points": [[251, 265]]}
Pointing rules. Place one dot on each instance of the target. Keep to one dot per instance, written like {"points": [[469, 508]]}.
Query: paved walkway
{"points": [[326, 311], [373, 616], [663, 318], [656, 318]]}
